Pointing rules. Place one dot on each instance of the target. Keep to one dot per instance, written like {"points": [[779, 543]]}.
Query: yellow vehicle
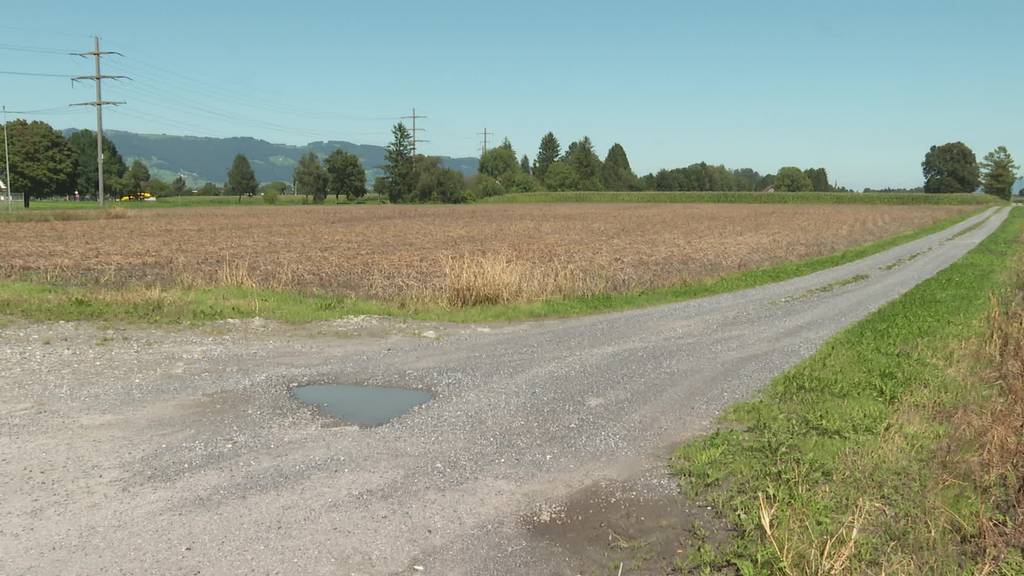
{"points": [[139, 196]]}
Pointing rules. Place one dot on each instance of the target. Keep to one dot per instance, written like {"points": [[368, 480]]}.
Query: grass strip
{"points": [[554, 197], [42, 301], [746, 198], [844, 463]]}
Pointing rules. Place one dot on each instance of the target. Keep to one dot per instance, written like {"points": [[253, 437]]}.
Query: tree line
{"points": [[45, 164], [577, 168], [953, 168]]}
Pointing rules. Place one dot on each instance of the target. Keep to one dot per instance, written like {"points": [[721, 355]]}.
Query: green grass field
{"points": [[42, 301], [747, 198], [854, 462]]}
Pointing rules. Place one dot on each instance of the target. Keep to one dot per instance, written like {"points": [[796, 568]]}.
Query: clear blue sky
{"points": [[862, 88]]}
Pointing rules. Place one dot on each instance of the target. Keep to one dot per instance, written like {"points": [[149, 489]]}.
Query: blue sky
{"points": [[861, 88]]}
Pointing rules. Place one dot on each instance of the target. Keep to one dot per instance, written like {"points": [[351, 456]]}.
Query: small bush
{"points": [[519, 182], [485, 187], [271, 197]]}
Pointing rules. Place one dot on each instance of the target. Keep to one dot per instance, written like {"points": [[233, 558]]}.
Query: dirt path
{"points": [[145, 450]]}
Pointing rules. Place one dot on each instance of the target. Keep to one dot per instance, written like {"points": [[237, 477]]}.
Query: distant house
{"points": [[769, 189]]}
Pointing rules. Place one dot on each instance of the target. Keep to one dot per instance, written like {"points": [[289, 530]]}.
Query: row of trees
{"points": [[579, 168], [953, 168], [340, 174], [703, 177], [46, 164]]}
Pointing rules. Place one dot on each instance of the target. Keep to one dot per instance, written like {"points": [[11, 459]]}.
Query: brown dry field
{"points": [[454, 254]]}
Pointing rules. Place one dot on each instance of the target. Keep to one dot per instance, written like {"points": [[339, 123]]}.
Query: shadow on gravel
{"points": [[608, 524]]}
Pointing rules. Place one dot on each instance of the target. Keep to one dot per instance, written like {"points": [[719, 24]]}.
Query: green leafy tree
{"points": [[311, 178], [561, 177], [241, 178], [210, 189], [483, 186], [499, 161], [140, 172], [398, 180], [158, 188], [819, 179], [179, 186], [1000, 173], [548, 153], [83, 145], [616, 173], [524, 164], [792, 179], [648, 182], [435, 183], [134, 182], [747, 179], [345, 175], [950, 168], [42, 162], [520, 182], [586, 164]]}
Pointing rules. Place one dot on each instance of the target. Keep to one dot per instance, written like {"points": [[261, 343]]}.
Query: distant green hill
{"points": [[203, 159]]}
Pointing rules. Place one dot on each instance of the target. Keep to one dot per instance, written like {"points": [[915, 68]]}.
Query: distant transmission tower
{"points": [[415, 130], [483, 146], [99, 103]]}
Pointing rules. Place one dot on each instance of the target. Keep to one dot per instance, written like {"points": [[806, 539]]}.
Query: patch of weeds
{"points": [[902, 261]]}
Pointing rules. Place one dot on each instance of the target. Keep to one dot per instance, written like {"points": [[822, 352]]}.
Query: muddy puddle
{"points": [[361, 405]]}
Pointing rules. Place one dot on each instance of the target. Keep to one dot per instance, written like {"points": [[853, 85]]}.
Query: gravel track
{"points": [[135, 450]]}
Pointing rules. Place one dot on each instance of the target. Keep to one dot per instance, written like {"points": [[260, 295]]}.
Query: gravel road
{"points": [[138, 450]]}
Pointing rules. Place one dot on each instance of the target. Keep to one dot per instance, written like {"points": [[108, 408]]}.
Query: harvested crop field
{"points": [[458, 255]]}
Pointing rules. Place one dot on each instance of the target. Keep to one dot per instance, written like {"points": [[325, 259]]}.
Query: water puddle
{"points": [[361, 405]]}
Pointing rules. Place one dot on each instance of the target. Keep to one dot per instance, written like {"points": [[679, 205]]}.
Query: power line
{"points": [[58, 111], [33, 49], [245, 98], [99, 103], [415, 136], [39, 74], [192, 103]]}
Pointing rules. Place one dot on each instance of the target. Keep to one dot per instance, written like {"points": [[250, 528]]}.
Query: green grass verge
{"points": [[555, 197], [746, 198], [854, 437], [40, 301]]}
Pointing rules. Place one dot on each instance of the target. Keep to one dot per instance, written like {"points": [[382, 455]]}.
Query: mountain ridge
{"points": [[204, 159]]}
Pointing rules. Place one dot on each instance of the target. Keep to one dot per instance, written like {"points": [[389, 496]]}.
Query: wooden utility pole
{"points": [[99, 103]]}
